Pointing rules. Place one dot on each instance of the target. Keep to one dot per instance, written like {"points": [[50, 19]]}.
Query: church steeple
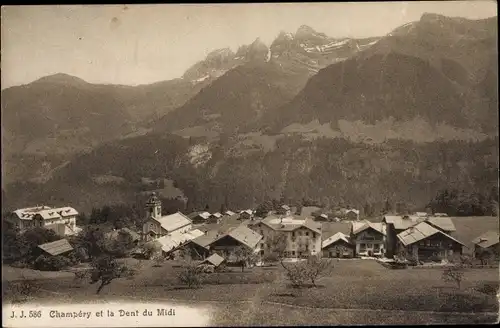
{"points": [[153, 207]]}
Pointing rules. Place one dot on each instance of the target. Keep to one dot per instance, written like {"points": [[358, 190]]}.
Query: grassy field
{"points": [[357, 292]]}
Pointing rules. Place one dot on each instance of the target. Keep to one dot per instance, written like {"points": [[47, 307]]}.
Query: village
{"points": [[417, 239], [286, 257]]}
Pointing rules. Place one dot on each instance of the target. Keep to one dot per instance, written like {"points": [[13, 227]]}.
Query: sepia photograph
{"points": [[250, 164]]}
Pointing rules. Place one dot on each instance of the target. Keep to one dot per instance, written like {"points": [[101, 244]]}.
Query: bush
{"points": [[489, 288], [192, 276], [51, 263]]}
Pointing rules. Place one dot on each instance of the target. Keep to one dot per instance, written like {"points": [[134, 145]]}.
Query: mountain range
{"points": [[310, 116]]}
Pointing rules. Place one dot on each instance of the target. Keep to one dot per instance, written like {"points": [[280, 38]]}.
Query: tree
{"points": [[151, 249], [454, 273], [92, 239], [158, 260], [245, 256], [105, 269], [120, 244], [191, 275], [263, 209], [317, 267]]}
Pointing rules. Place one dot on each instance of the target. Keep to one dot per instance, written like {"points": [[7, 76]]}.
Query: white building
{"points": [[156, 225], [303, 235], [61, 220]]}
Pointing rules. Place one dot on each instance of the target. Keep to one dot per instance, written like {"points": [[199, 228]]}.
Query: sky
{"points": [[140, 44]]}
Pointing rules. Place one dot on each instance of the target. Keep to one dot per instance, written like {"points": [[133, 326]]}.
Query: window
{"points": [[376, 247], [293, 253], [299, 233], [307, 233], [362, 247], [293, 234], [261, 245], [369, 246]]}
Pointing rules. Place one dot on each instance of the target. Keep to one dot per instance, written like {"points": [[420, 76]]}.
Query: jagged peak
{"points": [[305, 31], [223, 52]]}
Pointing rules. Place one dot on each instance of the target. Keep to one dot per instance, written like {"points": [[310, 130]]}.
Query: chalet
{"points": [[338, 245], [199, 247], [215, 218], [303, 235], [284, 210], [246, 214], [238, 236], [199, 217], [489, 241], [156, 225], [369, 238], [394, 225], [423, 241], [61, 220], [56, 248]]}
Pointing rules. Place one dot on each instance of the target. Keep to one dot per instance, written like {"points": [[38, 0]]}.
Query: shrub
{"points": [[489, 288], [192, 276], [22, 290], [51, 263], [436, 258]]}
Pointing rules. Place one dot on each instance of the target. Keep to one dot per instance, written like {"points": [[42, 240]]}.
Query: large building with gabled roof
{"points": [[303, 235]]}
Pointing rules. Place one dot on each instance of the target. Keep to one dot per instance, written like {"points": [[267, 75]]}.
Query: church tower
{"points": [[153, 207]]}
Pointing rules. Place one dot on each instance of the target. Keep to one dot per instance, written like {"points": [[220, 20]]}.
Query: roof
{"points": [[323, 216], [214, 259], [56, 247], [419, 232], [440, 214], [247, 212], [28, 212], [285, 207], [358, 227], [206, 239], [217, 215], [487, 239], [174, 221], [291, 223], [45, 212], [230, 213], [352, 211], [444, 223], [402, 222], [336, 237], [175, 239], [244, 235]]}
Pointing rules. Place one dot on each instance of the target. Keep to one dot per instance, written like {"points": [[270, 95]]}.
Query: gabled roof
{"points": [[421, 231], [421, 214], [352, 211], [230, 213], [440, 214], [336, 237], [173, 222], [29, 212], [171, 241], [250, 212], [57, 247], [285, 207], [214, 259], [401, 222], [244, 235], [444, 223], [217, 215], [487, 239], [323, 215], [290, 223], [358, 227]]}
